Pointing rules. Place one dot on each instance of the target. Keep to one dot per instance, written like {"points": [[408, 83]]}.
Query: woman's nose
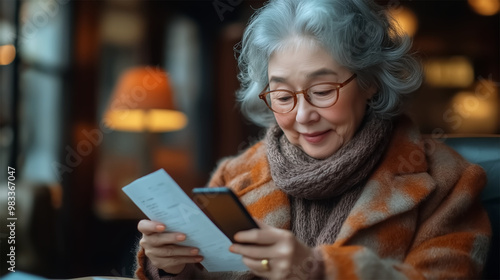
{"points": [[306, 112]]}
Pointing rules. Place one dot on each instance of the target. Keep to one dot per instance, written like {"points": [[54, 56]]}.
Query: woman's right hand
{"points": [[161, 249]]}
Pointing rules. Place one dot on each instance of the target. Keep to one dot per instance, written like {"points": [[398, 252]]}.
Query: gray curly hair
{"points": [[359, 34]]}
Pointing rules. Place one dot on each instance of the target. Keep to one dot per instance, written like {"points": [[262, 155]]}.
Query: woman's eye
{"points": [[284, 98], [323, 93], [281, 96]]}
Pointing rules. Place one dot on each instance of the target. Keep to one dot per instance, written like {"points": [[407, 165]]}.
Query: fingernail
{"points": [[194, 252], [231, 248], [198, 259], [180, 237], [160, 227]]}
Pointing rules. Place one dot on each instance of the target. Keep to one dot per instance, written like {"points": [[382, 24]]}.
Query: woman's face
{"points": [[319, 132]]}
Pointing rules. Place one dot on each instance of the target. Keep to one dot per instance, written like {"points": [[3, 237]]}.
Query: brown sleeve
{"points": [[146, 271]]}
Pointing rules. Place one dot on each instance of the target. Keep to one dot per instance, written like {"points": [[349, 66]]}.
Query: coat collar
{"points": [[398, 184]]}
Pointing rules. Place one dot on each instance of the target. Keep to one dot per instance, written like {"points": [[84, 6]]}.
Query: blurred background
{"points": [[65, 72]]}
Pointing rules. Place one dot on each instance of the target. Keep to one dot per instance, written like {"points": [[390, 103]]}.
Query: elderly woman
{"points": [[343, 185]]}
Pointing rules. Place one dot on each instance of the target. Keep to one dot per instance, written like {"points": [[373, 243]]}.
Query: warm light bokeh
{"points": [[485, 7], [7, 54], [455, 71], [476, 111], [406, 19], [145, 120]]}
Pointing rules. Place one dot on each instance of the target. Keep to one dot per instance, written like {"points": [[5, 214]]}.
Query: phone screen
{"points": [[224, 209]]}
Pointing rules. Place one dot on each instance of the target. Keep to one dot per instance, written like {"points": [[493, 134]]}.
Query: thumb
{"points": [[149, 227]]}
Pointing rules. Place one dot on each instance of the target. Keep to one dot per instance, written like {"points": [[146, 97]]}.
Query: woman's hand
{"points": [[159, 246], [287, 257]]}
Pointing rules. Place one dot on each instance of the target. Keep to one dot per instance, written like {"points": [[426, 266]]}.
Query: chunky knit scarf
{"points": [[322, 192]]}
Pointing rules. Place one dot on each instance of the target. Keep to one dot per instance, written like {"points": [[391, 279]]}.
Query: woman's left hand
{"points": [[286, 256]]}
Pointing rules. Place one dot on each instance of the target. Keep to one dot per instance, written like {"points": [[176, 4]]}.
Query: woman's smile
{"points": [[316, 137]]}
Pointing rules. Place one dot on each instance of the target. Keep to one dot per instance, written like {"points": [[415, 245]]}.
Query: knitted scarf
{"points": [[323, 191]]}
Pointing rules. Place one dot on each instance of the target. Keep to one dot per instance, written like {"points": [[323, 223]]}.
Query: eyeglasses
{"points": [[320, 95]]}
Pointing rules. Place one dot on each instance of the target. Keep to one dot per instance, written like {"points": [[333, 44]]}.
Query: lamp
{"points": [[142, 100]]}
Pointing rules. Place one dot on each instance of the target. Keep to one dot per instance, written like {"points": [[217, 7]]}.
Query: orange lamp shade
{"points": [[143, 101]]}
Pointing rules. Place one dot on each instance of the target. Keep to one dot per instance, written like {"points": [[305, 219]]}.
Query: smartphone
{"points": [[225, 210]]}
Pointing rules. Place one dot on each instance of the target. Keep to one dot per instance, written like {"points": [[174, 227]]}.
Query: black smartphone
{"points": [[225, 210]]}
